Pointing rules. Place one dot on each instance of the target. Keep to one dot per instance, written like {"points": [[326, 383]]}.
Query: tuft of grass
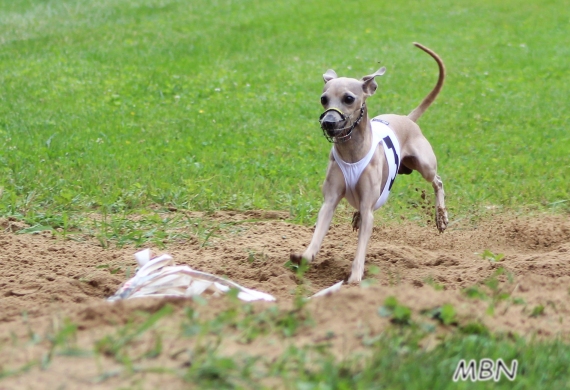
{"points": [[445, 314], [492, 257], [491, 289], [398, 314], [537, 311], [437, 286]]}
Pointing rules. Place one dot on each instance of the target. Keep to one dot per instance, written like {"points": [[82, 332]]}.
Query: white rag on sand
{"points": [[161, 277]]}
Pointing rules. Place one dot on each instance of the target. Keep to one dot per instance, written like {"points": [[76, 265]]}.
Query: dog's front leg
{"points": [[364, 234], [323, 223], [333, 191], [368, 190]]}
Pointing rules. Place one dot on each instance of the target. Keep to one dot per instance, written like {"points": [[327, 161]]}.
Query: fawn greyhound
{"points": [[361, 170]]}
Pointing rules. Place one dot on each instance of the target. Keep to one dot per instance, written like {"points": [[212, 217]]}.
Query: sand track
{"points": [[42, 277]]}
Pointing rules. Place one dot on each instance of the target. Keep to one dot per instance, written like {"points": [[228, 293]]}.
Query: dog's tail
{"points": [[429, 99]]}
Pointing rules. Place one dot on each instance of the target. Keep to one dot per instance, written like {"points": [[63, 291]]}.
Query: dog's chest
{"points": [[381, 133]]}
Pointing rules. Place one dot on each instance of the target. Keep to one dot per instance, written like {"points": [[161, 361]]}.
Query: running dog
{"points": [[367, 155]]}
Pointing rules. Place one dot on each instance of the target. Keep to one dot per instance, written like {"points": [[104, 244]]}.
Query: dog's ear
{"points": [[329, 75], [369, 84]]}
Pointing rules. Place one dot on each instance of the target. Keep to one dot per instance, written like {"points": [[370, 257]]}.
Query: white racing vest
{"points": [[381, 133]]}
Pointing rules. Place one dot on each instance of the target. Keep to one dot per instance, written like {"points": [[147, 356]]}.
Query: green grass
{"points": [[394, 359], [116, 106], [206, 105]]}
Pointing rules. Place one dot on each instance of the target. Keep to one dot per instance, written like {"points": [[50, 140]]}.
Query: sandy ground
{"points": [[44, 280]]}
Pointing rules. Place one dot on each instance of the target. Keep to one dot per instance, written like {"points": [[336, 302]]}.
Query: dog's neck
{"points": [[359, 143]]}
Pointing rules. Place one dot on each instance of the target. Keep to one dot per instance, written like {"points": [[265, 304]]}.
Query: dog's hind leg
{"points": [[440, 210], [364, 233], [420, 157]]}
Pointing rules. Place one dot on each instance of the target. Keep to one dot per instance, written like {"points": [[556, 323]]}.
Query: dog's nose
{"points": [[328, 125]]}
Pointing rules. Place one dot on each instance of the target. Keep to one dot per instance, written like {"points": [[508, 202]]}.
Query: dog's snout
{"points": [[331, 116], [330, 120]]}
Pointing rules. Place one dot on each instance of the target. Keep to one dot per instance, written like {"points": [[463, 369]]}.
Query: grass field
{"points": [[212, 105], [120, 107]]}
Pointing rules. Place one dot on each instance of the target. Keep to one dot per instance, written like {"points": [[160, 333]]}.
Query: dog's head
{"points": [[344, 102]]}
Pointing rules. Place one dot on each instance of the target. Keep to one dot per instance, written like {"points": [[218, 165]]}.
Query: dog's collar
{"points": [[348, 134]]}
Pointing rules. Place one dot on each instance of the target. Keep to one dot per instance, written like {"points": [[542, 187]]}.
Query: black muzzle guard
{"points": [[338, 131]]}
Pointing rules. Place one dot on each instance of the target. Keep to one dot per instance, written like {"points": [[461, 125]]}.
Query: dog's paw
{"points": [[297, 258], [354, 279], [441, 219], [356, 276]]}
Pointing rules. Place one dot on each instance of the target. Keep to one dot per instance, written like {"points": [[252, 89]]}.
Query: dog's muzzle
{"points": [[338, 130]]}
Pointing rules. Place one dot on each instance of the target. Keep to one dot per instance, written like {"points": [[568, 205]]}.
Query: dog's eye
{"points": [[324, 100], [348, 99]]}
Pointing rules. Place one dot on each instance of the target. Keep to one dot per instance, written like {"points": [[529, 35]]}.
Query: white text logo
{"points": [[486, 370]]}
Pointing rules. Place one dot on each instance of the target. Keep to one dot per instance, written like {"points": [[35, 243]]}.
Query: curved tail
{"points": [[429, 99]]}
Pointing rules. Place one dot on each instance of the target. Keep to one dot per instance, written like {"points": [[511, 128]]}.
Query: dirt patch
{"points": [[44, 279]]}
